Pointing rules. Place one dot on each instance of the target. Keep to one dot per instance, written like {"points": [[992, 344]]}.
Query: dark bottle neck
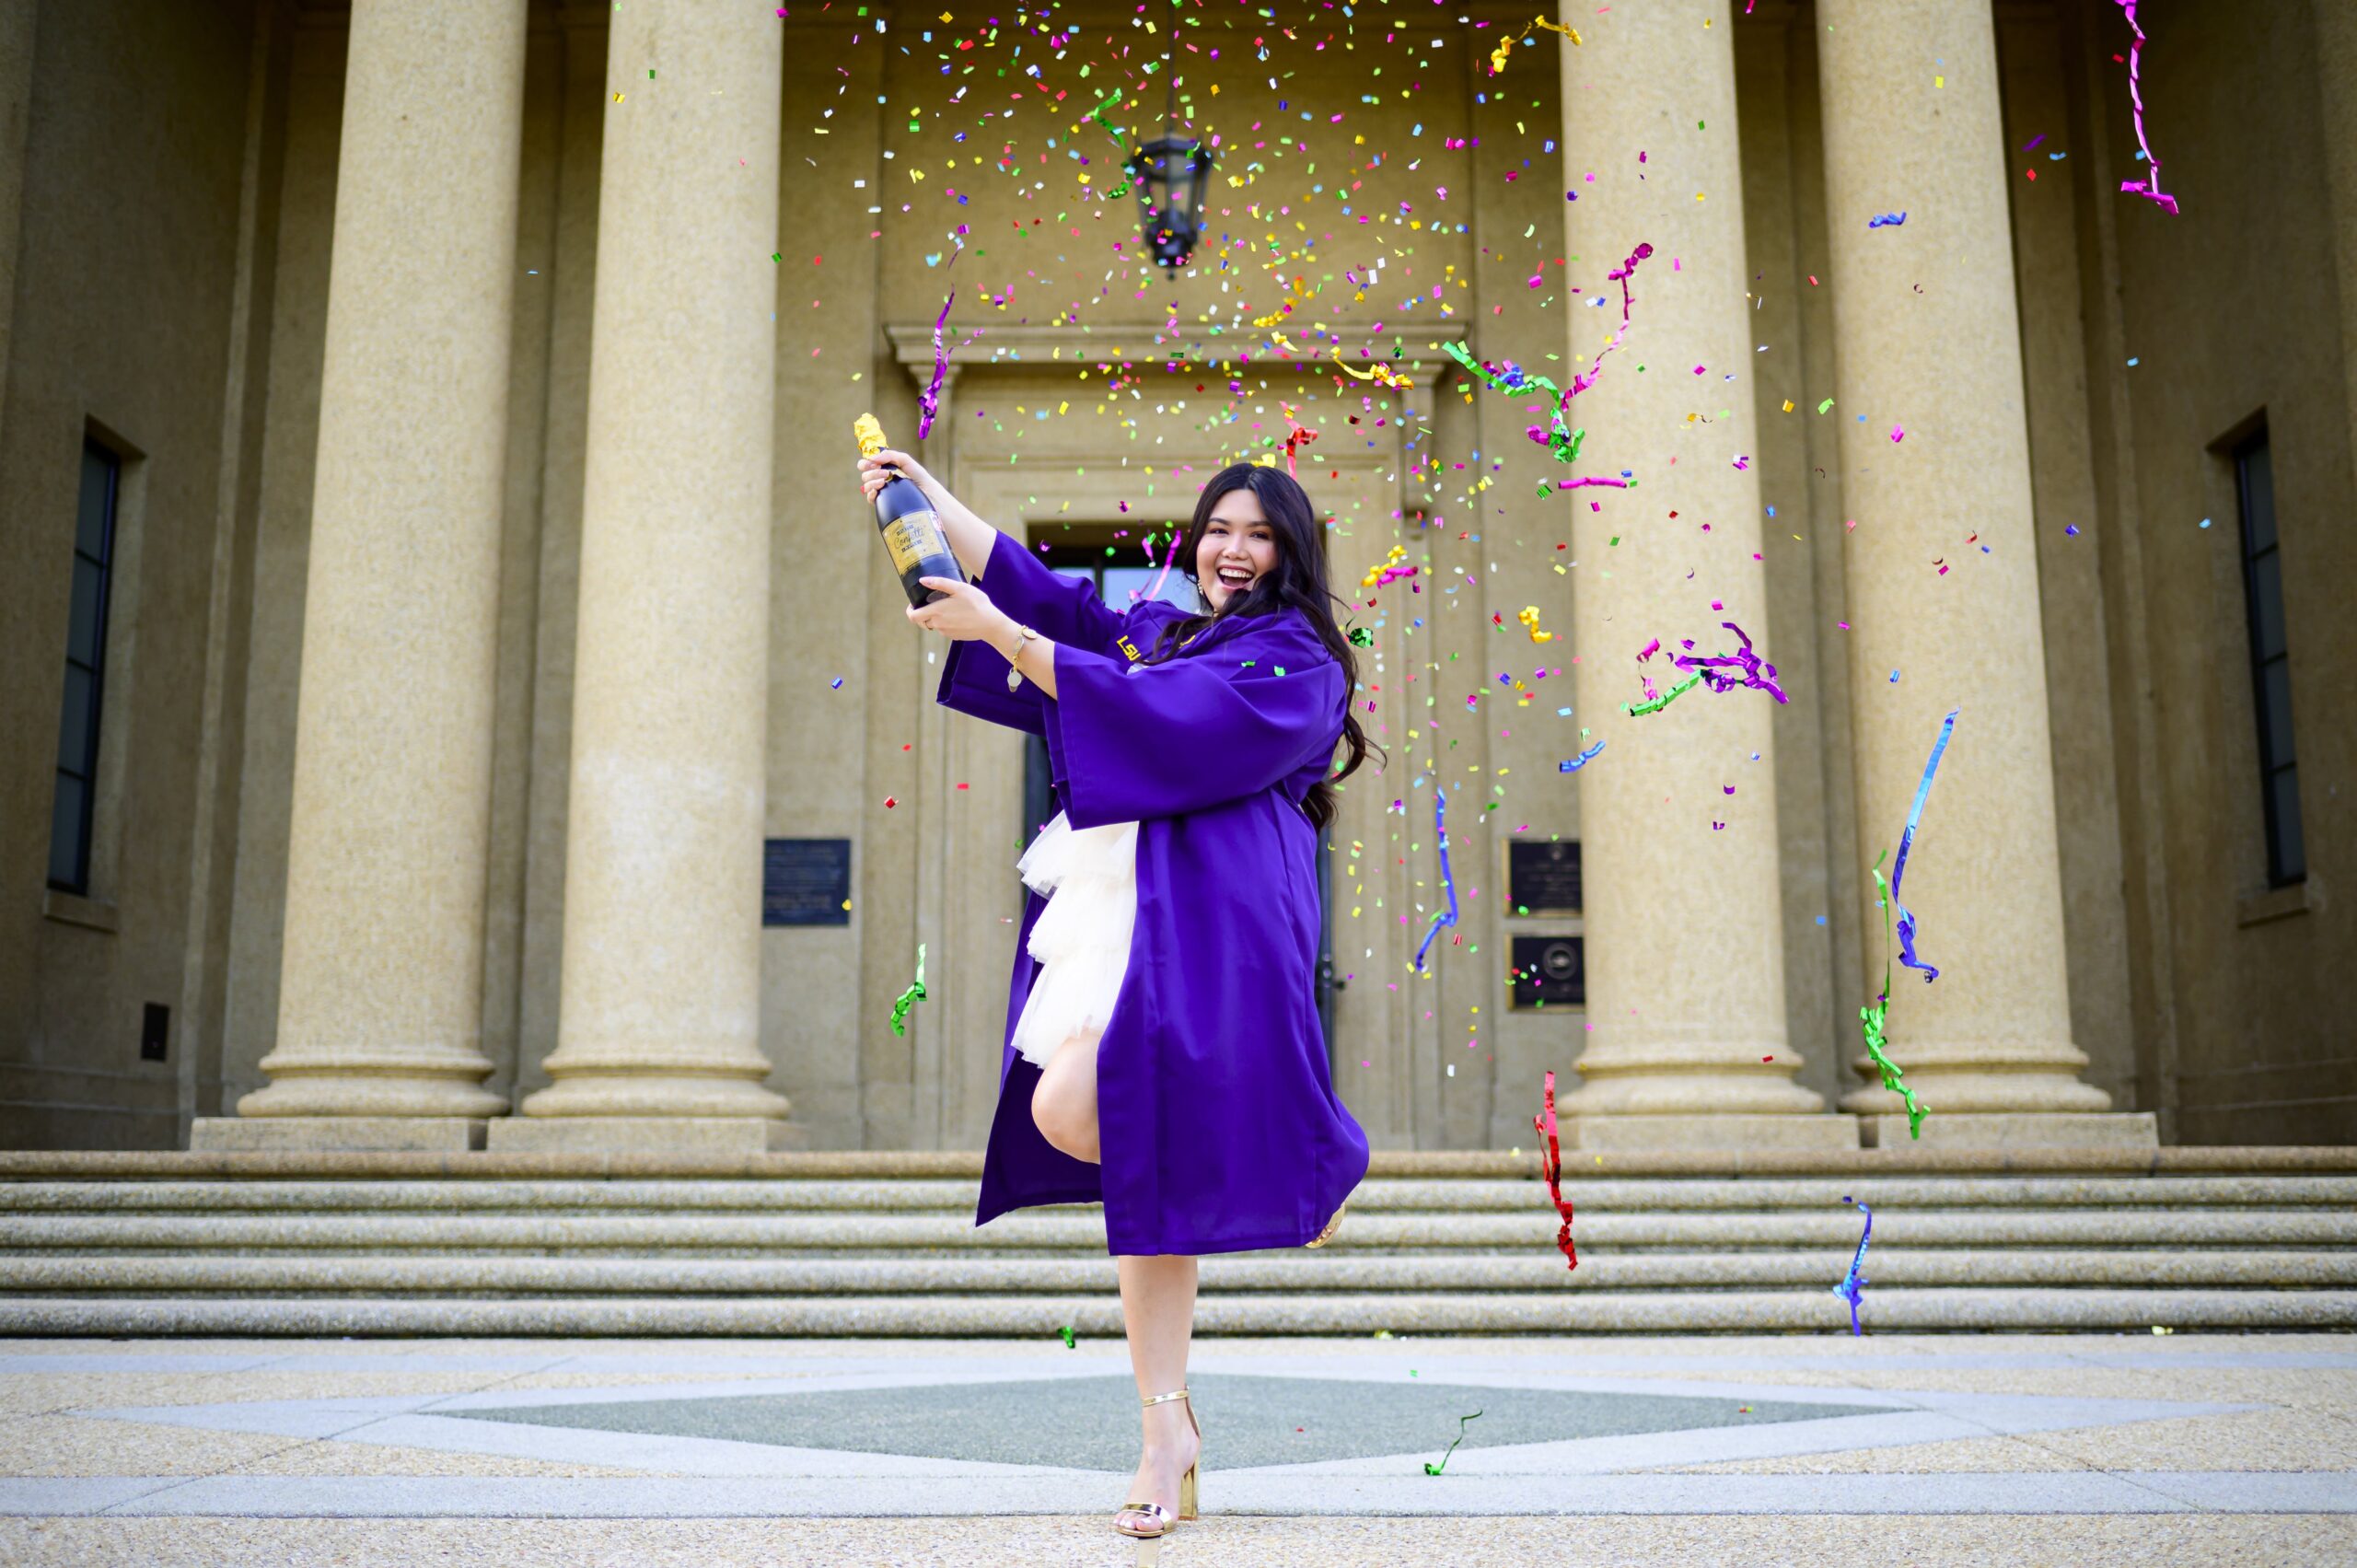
{"points": [[899, 498]]}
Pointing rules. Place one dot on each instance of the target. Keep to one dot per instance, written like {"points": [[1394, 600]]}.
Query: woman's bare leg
{"points": [[1063, 1105], [1158, 1314]]}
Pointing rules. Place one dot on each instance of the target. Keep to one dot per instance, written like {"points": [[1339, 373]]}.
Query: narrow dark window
{"points": [[85, 647], [2271, 663]]}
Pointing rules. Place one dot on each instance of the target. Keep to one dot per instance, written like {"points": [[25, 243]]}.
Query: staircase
{"points": [[884, 1245]]}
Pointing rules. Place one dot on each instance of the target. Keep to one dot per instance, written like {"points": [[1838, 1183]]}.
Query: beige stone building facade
{"points": [[446, 661]]}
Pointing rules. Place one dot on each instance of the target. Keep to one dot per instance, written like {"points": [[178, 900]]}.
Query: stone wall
{"points": [[170, 286]]}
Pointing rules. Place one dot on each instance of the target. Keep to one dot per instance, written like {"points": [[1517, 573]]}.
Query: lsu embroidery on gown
{"points": [[1082, 939]]}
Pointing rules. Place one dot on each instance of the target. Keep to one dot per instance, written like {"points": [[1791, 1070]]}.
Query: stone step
{"points": [[1099, 1317], [1376, 1195], [351, 1274], [1083, 1230], [870, 1164]]}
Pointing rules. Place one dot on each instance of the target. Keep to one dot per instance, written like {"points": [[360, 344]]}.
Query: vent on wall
{"points": [[154, 1032]]}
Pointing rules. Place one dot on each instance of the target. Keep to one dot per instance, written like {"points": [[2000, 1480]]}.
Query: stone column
{"points": [[2336, 26], [1685, 955], [381, 996], [659, 1017], [1935, 452]]}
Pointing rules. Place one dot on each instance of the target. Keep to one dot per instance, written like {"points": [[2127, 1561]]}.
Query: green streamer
{"points": [[1874, 1019], [1432, 1469], [1097, 114], [910, 997], [1638, 709]]}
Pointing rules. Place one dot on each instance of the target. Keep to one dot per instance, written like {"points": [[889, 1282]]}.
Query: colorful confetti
{"points": [[2149, 189], [910, 997], [1853, 1284], [1556, 434], [1447, 879], [1553, 1170]]}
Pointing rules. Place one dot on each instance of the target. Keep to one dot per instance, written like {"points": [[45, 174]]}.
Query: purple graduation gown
{"points": [[1220, 1126]]}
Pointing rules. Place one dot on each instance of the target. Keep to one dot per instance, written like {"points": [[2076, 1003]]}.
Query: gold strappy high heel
{"points": [[1162, 1517], [1323, 1237]]}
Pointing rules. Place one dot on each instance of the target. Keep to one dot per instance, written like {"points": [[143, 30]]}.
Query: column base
{"points": [[1817, 1132], [647, 1134], [347, 1134], [2016, 1130]]}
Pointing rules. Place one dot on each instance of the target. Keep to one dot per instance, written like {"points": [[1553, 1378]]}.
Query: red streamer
{"points": [[1545, 1122], [1297, 436]]}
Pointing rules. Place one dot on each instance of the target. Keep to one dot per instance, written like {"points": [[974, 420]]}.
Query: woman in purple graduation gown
{"points": [[1164, 1053]]}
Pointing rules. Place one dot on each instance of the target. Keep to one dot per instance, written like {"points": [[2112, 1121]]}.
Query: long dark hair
{"points": [[1298, 581]]}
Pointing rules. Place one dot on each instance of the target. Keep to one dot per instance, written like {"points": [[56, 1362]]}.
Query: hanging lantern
{"points": [[1170, 175]]}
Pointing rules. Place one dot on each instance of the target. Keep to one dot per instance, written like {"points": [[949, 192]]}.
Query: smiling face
{"points": [[1239, 544]]}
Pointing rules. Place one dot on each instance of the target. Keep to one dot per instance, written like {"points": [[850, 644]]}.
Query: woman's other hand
{"points": [[967, 615], [874, 473]]}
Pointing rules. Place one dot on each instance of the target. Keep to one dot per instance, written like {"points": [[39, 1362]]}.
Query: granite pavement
{"points": [[1825, 1449]]}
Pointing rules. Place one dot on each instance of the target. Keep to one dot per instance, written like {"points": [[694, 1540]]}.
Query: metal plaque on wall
{"points": [[1543, 878], [1549, 971], [805, 882]]}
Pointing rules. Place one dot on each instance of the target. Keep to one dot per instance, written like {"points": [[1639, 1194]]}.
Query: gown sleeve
{"points": [[1064, 610], [1067, 611], [1134, 741]]}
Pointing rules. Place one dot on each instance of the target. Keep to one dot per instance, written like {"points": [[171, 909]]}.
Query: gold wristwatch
{"points": [[1014, 675]]}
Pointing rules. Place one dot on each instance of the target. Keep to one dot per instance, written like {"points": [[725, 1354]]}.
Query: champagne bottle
{"points": [[911, 533]]}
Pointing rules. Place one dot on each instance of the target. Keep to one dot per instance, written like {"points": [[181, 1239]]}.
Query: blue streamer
{"points": [[1448, 915], [1582, 760], [1852, 1286], [1907, 841]]}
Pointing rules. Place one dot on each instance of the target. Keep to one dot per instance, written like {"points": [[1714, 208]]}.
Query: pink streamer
{"points": [[2148, 188], [1172, 560]]}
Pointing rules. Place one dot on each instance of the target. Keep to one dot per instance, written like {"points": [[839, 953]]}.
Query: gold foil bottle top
{"points": [[870, 434]]}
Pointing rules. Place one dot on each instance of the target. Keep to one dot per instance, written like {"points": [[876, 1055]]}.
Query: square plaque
{"points": [[805, 882], [1549, 971], [1542, 877]]}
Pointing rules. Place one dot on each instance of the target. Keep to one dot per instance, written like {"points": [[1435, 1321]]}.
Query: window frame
{"points": [[85, 774], [2258, 613]]}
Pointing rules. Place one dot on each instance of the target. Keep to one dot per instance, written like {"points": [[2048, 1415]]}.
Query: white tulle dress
{"points": [[1089, 877]]}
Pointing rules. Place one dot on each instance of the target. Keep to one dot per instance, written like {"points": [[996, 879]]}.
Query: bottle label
{"points": [[914, 536]]}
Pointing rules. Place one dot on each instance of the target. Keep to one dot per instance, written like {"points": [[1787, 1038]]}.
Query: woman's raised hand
{"points": [[874, 474], [966, 615]]}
